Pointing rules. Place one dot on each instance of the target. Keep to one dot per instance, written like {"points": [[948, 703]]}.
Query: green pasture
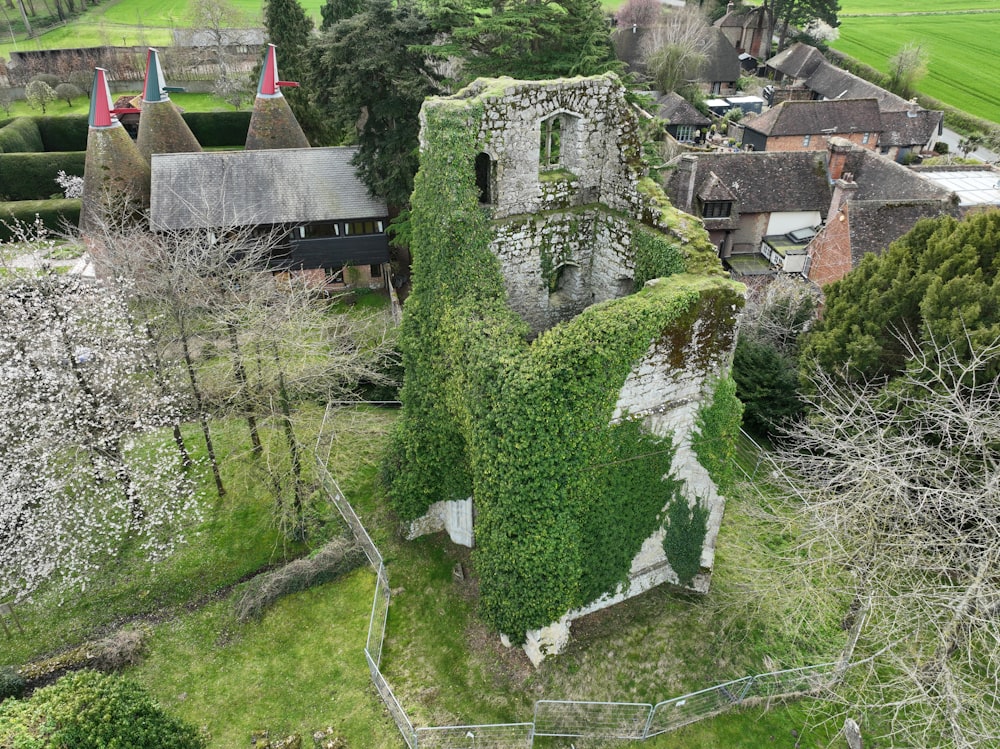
{"points": [[81, 105], [870, 7], [962, 48]]}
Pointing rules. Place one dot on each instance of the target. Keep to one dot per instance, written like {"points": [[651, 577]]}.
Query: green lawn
{"points": [[81, 105], [962, 66]]}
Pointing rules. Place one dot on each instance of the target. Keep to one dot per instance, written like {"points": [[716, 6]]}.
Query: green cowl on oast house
{"points": [[568, 409], [162, 129]]}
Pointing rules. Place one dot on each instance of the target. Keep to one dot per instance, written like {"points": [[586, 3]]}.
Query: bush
{"points": [[20, 135], [219, 129], [65, 133], [32, 176], [336, 558], [941, 147], [47, 78], [88, 710], [12, 684], [67, 92], [55, 214]]}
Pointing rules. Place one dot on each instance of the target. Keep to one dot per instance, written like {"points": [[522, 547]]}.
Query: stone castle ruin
{"points": [[558, 302]]}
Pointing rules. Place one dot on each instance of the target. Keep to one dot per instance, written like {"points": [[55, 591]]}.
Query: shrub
{"points": [[12, 684], [31, 176], [67, 92], [941, 147], [54, 214], [122, 649], [336, 558], [67, 132], [20, 135], [219, 129], [88, 710], [47, 78]]}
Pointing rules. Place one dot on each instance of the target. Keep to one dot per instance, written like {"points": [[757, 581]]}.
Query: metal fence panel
{"points": [[379, 617], [506, 736], [350, 517], [792, 681], [392, 704], [620, 720], [680, 711]]}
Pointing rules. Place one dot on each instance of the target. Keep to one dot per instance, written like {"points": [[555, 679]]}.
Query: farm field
{"points": [[874, 7], [962, 65]]}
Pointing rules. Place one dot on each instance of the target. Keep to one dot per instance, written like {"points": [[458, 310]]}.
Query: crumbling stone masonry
{"points": [[574, 219]]}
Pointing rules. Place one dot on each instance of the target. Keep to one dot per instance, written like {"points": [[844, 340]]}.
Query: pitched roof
{"points": [[714, 189], [722, 62], [678, 111], [831, 82], [910, 127], [881, 179], [815, 117], [798, 61], [762, 181], [875, 224], [249, 188], [739, 18]]}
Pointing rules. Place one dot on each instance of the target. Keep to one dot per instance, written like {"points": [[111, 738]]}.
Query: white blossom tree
{"points": [[83, 463]]}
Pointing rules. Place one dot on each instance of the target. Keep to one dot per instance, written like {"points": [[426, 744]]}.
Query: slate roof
{"points": [[910, 127], [762, 181], [798, 61], [875, 224], [678, 111], [714, 189], [816, 117], [250, 188]]}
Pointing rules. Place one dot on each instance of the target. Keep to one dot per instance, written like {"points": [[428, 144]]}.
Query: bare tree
{"points": [[217, 19], [677, 47], [901, 485]]}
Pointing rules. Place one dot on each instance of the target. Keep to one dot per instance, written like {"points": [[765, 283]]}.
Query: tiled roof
{"points": [[875, 224], [881, 179], [678, 111], [816, 117], [831, 82], [722, 62], [798, 61], [910, 127], [714, 189], [249, 188], [763, 182]]}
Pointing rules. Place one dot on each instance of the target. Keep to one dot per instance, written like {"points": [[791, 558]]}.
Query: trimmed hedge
{"points": [[32, 176], [55, 214], [21, 135], [219, 129], [66, 132]]}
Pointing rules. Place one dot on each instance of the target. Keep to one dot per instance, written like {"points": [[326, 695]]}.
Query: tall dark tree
{"points": [[534, 40], [371, 73], [339, 10], [787, 14], [939, 284], [291, 31]]}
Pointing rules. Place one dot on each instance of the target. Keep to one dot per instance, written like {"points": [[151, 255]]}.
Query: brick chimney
{"points": [[687, 168], [843, 190], [837, 152]]}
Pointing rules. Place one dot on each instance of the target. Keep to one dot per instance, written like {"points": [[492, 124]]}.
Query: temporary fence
{"points": [[619, 721]]}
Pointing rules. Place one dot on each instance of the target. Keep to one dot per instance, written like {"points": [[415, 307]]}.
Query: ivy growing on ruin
{"points": [[564, 498]]}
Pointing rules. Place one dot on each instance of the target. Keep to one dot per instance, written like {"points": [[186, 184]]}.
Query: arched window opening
{"points": [[484, 177]]}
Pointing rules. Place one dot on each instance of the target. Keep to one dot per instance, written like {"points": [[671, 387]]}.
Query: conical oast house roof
{"points": [[161, 127], [272, 124], [116, 176]]}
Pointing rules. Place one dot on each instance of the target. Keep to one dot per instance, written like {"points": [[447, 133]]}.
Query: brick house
{"points": [[808, 125]]}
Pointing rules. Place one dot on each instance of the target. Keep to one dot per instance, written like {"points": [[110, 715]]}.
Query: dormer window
{"points": [[717, 209]]}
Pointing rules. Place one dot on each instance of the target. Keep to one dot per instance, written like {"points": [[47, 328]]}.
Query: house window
{"points": [[865, 137], [551, 141], [375, 270], [717, 209], [685, 132], [805, 140], [360, 227]]}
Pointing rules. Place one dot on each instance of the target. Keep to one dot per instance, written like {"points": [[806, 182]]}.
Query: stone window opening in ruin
{"points": [[485, 177], [564, 275], [551, 142]]}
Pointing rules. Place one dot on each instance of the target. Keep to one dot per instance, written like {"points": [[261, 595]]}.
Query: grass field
{"points": [[958, 35], [81, 105]]}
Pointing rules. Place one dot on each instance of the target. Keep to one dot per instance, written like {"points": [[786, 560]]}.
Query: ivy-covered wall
{"points": [[569, 480]]}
